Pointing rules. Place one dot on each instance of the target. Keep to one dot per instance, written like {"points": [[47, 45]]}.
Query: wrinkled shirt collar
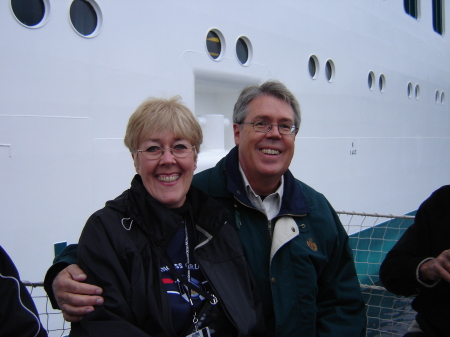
{"points": [[271, 204]]}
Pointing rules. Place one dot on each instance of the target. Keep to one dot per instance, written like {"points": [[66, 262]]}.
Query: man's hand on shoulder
{"points": [[75, 298]]}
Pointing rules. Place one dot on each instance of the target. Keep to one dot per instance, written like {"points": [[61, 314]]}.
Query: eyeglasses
{"points": [[156, 152], [284, 129]]}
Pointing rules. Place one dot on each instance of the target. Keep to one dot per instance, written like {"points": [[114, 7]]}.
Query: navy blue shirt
{"points": [[179, 294]]}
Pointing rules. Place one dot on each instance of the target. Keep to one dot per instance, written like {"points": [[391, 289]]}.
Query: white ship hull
{"points": [[66, 99]]}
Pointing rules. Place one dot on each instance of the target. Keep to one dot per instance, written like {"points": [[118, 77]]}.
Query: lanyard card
{"points": [[200, 333]]}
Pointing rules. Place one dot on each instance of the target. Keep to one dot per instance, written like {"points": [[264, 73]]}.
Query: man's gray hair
{"points": [[269, 88]]}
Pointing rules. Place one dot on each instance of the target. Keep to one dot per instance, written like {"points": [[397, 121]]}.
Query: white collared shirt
{"points": [[271, 204]]}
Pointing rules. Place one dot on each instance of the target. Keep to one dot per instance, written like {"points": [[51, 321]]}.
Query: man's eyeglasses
{"points": [[284, 129], [156, 152]]}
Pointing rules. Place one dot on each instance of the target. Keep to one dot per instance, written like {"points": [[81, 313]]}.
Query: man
{"points": [[419, 265], [293, 240]]}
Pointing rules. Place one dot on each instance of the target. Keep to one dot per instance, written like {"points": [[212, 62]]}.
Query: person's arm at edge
{"points": [[399, 271], [65, 290]]}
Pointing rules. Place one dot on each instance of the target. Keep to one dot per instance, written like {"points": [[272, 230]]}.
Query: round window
{"points": [[85, 17], [31, 13], [243, 50], [371, 80], [417, 91], [313, 66], [382, 82], [215, 44], [329, 70]]}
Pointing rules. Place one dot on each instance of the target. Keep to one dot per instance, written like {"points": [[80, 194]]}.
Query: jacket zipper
{"points": [[209, 237], [269, 222]]}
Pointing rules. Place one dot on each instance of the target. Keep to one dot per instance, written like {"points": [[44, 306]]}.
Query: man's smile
{"points": [[270, 151]]}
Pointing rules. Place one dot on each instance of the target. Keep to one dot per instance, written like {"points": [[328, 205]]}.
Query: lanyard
{"points": [[187, 282], [165, 258], [186, 243], [210, 297]]}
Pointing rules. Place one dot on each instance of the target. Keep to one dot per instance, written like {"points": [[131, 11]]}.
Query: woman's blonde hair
{"points": [[157, 116]]}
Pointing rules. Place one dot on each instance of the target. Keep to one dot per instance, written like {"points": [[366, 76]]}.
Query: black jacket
{"points": [[18, 314], [428, 237], [115, 253]]}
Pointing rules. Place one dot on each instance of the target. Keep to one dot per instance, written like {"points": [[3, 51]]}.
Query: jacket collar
{"points": [[159, 222], [293, 202]]}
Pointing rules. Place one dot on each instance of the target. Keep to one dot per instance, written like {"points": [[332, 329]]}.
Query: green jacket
{"points": [[306, 273]]}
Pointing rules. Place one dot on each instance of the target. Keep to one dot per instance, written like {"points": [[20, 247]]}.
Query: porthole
{"points": [[371, 80], [382, 83], [86, 18], [409, 89], [244, 50], [329, 71], [442, 98], [31, 13], [313, 66], [215, 44], [437, 96], [417, 91]]}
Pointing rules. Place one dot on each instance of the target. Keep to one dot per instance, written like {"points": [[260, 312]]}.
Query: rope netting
{"points": [[371, 235]]}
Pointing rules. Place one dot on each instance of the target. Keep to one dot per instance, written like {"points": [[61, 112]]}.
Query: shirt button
{"points": [[273, 280]]}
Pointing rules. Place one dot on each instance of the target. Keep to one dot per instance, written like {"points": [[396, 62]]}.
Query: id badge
{"points": [[200, 333]]}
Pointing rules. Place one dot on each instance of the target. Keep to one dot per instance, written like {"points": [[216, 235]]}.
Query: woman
{"points": [[167, 261]]}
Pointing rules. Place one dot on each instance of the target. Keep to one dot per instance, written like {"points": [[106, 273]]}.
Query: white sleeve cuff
{"points": [[428, 285]]}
